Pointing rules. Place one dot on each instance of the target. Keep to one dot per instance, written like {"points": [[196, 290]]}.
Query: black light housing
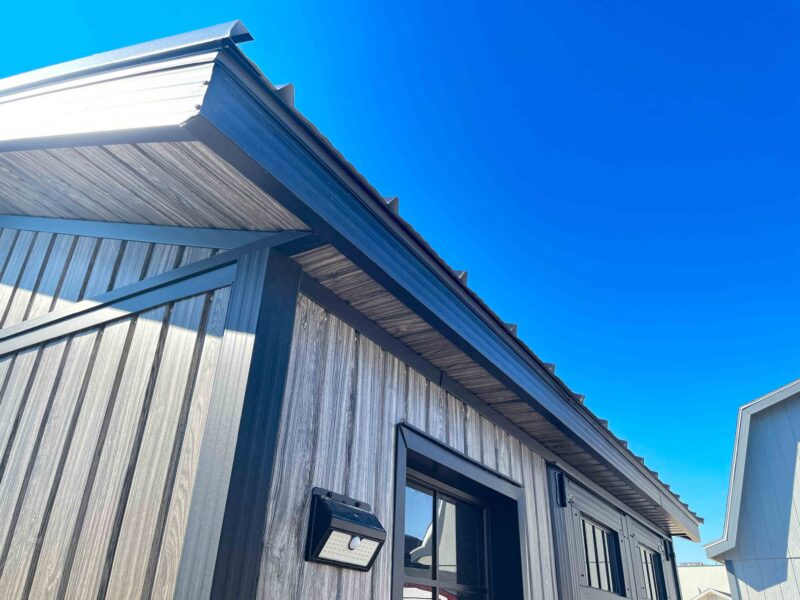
{"points": [[342, 531]]}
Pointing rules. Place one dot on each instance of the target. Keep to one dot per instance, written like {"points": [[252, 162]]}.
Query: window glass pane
{"points": [[419, 533], [414, 591], [602, 564], [460, 549], [600, 550]]}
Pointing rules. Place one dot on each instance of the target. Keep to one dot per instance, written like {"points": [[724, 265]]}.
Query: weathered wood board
{"points": [[348, 394]]}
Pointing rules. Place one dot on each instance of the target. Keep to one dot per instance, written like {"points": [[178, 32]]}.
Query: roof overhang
{"points": [[716, 550], [201, 87]]}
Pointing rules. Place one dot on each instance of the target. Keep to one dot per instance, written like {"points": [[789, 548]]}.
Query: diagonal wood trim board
{"points": [[211, 273]]}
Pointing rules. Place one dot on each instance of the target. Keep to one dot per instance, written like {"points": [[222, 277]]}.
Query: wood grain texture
{"points": [[28, 280], [23, 440], [66, 505], [51, 276], [175, 526], [334, 414], [100, 431], [382, 392], [181, 183], [283, 539], [102, 499], [41, 272], [366, 411], [32, 505], [151, 464]]}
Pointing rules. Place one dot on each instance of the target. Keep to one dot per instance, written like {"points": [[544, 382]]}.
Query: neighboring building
{"points": [[696, 579], [206, 313], [760, 546]]}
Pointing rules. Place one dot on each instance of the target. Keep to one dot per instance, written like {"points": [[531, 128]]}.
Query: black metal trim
{"points": [[561, 489], [239, 552]]}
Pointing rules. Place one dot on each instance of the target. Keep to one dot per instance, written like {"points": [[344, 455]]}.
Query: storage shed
{"points": [[230, 369], [760, 546]]}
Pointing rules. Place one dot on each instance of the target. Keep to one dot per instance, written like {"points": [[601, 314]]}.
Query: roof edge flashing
{"points": [[232, 32]]}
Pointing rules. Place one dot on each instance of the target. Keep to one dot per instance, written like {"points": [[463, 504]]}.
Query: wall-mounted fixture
{"points": [[342, 531]]}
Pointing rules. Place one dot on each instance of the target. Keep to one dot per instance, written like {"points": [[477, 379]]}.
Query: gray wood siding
{"points": [[100, 434], [766, 559], [101, 428], [41, 272], [344, 397], [169, 183]]}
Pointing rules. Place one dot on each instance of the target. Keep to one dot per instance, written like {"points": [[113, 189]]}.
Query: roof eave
{"points": [[224, 37]]}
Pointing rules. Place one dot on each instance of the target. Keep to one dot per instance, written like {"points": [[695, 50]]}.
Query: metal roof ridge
{"points": [[216, 35]]}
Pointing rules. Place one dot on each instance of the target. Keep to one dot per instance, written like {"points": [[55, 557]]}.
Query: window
{"points": [[600, 553], [457, 525], [652, 575], [445, 551]]}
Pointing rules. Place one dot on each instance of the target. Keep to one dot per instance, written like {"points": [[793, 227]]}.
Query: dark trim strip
{"points": [[420, 442], [160, 234], [239, 552], [411, 439]]}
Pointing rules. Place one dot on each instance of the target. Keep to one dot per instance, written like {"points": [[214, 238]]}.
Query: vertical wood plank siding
{"points": [[100, 435], [344, 397], [41, 272], [100, 430]]}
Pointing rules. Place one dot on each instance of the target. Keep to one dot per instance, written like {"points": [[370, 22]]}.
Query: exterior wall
{"points": [[766, 560], [41, 272], [344, 397], [109, 409], [103, 413], [695, 579]]}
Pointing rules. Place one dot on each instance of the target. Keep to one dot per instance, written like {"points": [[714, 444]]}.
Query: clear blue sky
{"points": [[619, 177]]}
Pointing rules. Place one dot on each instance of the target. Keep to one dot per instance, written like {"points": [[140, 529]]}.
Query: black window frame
{"points": [[570, 503], [615, 576], [423, 459], [439, 491]]}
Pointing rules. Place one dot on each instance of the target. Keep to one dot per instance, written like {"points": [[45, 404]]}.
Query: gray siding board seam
{"points": [[134, 454], [98, 449], [62, 460], [32, 458], [178, 438]]}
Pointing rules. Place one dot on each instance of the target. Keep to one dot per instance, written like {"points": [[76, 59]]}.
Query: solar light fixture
{"points": [[342, 531]]}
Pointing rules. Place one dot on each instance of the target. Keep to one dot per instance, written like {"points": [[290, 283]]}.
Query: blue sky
{"points": [[619, 177]]}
